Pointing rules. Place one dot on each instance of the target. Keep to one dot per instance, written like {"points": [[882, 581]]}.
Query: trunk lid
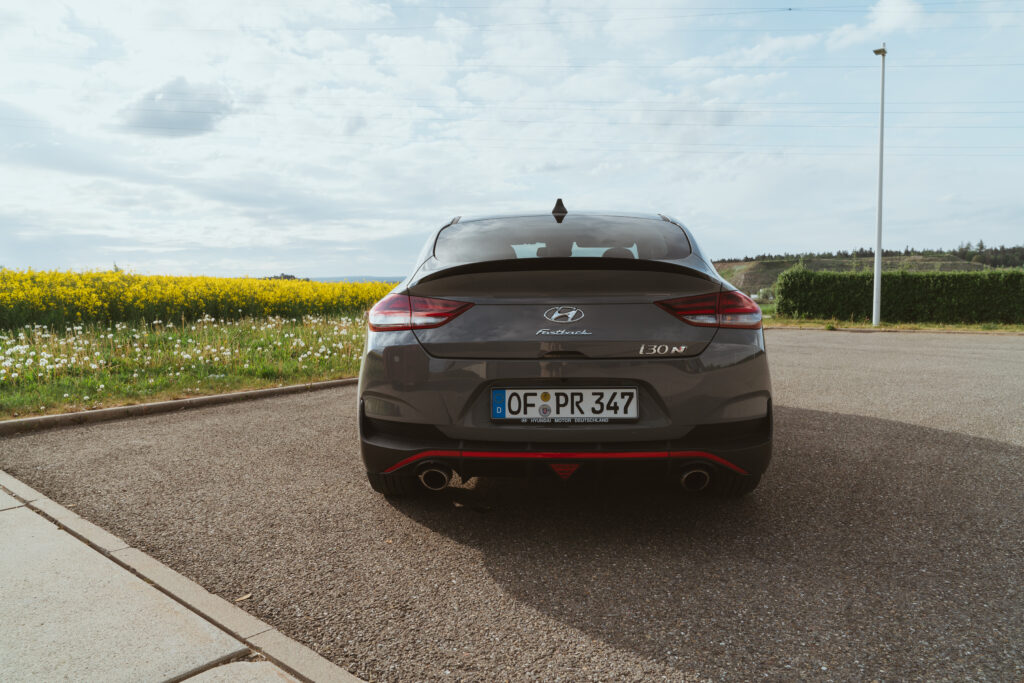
{"points": [[532, 309]]}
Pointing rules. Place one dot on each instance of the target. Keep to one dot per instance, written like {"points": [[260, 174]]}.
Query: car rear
{"points": [[529, 345]]}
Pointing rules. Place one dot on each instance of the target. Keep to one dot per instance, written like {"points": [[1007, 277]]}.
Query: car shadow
{"points": [[873, 548]]}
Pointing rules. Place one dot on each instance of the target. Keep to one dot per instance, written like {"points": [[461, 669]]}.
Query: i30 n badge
{"points": [[667, 375]]}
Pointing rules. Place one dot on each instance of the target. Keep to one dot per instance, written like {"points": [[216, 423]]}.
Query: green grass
{"points": [[44, 370], [772, 319]]}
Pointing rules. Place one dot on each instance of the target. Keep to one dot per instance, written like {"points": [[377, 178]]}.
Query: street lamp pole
{"points": [[876, 302]]}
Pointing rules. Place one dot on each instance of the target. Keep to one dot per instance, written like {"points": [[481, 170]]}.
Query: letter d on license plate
{"points": [[565, 405]]}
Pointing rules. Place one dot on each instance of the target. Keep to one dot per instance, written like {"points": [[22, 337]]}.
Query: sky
{"points": [[329, 138]]}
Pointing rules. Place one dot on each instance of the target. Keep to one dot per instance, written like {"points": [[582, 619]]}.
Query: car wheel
{"points": [[735, 485], [394, 485]]}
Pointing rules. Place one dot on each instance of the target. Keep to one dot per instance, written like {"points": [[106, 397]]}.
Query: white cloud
{"points": [[884, 18], [453, 29], [776, 49]]}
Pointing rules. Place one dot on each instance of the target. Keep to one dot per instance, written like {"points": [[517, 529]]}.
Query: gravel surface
{"points": [[885, 542]]}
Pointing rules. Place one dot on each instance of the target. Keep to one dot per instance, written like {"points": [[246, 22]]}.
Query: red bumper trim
{"points": [[573, 455]]}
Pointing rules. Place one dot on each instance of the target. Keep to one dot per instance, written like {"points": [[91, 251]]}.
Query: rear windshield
{"points": [[579, 236]]}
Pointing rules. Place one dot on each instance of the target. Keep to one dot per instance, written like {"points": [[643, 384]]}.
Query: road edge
{"points": [[31, 424], [290, 655], [819, 326]]}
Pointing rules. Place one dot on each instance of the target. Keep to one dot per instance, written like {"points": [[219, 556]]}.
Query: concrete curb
{"points": [[1003, 333], [293, 657], [29, 424]]}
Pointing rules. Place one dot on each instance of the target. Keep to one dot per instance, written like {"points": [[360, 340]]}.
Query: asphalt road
{"points": [[885, 542]]}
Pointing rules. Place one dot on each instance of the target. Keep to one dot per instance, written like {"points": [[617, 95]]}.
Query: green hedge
{"points": [[946, 297]]}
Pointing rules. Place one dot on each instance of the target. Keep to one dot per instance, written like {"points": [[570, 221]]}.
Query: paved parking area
{"points": [[885, 541]]}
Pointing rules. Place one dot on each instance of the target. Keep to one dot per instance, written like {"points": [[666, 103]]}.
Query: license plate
{"points": [[569, 406]]}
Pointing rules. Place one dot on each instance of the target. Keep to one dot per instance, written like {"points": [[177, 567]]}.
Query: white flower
{"points": [[66, 395], [85, 398]]}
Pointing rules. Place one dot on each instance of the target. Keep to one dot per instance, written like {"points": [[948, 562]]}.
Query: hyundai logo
{"points": [[563, 314]]}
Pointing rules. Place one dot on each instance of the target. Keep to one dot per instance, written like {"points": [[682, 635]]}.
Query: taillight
{"points": [[699, 310], [736, 309], [404, 312], [724, 309]]}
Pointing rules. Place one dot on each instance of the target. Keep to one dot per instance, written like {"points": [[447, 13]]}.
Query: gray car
{"points": [[551, 344]]}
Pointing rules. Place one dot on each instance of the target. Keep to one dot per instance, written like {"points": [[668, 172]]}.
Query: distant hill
{"points": [[359, 278], [753, 276]]}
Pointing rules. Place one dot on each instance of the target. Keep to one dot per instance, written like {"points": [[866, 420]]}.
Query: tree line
{"points": [[997, 257]]}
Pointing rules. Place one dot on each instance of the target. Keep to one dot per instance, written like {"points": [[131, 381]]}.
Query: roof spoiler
{"points": [[561, 263]]}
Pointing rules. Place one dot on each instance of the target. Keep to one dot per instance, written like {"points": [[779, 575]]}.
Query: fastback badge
{"points": [[563, 332]]}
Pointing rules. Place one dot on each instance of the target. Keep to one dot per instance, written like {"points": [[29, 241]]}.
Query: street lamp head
{"points": [[881, 50]]}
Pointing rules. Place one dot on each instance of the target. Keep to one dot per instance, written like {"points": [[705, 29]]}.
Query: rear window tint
{"points": [[575, 237]]}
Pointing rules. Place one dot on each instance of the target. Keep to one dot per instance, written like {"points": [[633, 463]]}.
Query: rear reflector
{"points": [[564, 470], [724, 309], [404, 312]]}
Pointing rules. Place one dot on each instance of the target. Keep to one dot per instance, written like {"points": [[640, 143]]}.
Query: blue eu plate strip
{"points": [[497, 403]]}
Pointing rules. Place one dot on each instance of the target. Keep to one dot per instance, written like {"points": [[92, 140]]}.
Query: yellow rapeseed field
{"points": [[59, 298]]}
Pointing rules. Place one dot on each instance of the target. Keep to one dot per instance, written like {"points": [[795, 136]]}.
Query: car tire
{"points": [[394, 485], [735, 485]]}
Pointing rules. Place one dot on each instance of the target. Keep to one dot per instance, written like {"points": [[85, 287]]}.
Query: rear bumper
{"points": [[742, 448], [401, 383]]}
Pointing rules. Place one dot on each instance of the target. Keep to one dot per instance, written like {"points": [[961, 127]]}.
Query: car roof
{"points": [[571, 214]]}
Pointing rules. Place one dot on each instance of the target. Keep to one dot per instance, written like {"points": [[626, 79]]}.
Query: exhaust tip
{"points": [[435, 478], [695, 479]]}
